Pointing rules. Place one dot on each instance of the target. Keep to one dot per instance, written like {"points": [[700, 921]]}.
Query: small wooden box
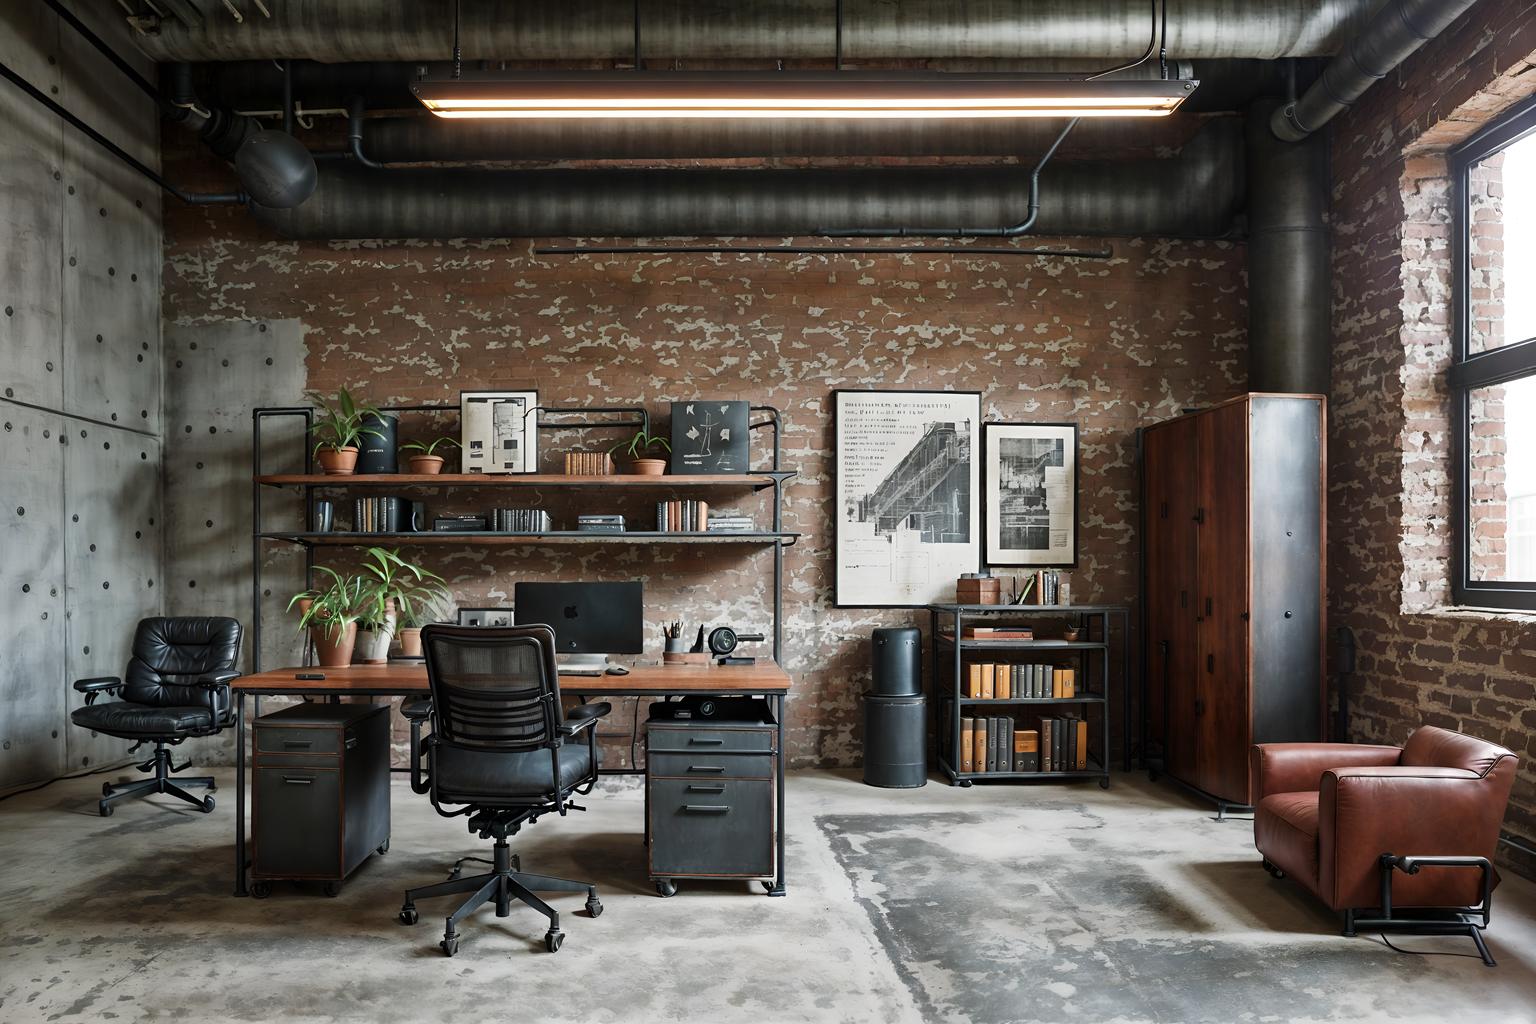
{"points": [[987, 590]]}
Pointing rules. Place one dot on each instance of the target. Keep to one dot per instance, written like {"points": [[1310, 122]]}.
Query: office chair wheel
{"points": [[383, 848], [408, 915], [450, 946], [207, 804], [331, 889], [261, 890], [105, 810], [666, 887], [594, 907], [553, 940]]}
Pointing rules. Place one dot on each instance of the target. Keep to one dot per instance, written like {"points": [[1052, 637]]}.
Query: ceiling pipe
{"points": [[604, 30], [1195, 194], [1391, 36]]}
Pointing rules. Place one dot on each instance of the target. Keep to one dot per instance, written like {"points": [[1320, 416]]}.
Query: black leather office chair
{"points": [[176, 687], [498, 752]]}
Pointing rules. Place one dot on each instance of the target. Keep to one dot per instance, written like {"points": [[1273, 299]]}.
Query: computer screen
{"points": [[588, 618]]}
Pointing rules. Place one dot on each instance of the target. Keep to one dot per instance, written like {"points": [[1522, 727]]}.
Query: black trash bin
{"points": [[896, 662], [895, 725]]}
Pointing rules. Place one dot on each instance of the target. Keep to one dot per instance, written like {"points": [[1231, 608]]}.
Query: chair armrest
{"points": [[215, 680], [583, 716], [96, 686], [417, 709], [217, 685], [1299, 767]]}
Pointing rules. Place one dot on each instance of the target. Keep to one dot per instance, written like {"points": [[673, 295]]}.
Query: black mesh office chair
{"points": [[176, 687], [498, 752]]}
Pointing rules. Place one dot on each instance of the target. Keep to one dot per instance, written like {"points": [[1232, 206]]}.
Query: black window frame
{"points": [[1469, 371]]}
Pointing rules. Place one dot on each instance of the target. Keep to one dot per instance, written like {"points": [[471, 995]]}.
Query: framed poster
{"points": [[500, 431], [485, 616], [1031, 494], [906, 523]]}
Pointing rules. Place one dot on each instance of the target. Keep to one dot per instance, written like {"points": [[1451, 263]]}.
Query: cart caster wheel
{"points": [[517, 863], [261, 890], [966, 783], [332, 889], [1104, 783], [594, 907], [383, 848], [106, 789], [408, 915], [105, 810], [665, 888], [450, 946], [208, 804], [553, 941]]}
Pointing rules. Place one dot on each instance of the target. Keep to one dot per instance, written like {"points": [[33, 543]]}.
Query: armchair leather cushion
{"points": [[1441, 748], [1299, 767], [171, 653], [136, 721], [494, 778], [1285, 831]]}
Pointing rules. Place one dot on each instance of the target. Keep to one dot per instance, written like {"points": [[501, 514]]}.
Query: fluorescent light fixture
{"points": [[846, 94]]}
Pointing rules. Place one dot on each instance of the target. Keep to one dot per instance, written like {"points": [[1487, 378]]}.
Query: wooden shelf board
{"points": [[1021, 645], [1025, 700], [347, 539], [746, 481]]}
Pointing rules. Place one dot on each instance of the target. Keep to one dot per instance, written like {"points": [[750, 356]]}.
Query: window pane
{"points": [[1501, 479], [1501, 250]]}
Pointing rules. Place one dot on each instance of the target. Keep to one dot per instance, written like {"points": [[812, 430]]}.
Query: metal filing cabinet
{"points": [[320, 799], [710, 766]]}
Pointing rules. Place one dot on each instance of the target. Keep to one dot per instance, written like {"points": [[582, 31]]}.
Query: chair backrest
{"points": [[493, 688], [1432, 747], [170, 653]]}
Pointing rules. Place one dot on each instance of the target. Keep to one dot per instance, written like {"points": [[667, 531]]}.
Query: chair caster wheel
{"points": [[408, 915], [106, 789], [965, 783], [553, 941], [1273, 871], [383, 848], [332, 889], [1104, 783], [207, 804], [261, 890], [450, 946], [517, 863], [105, 810], [665, 888], [594, 907], [455, 873]]}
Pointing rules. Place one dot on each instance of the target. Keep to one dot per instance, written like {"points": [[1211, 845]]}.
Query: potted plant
{"points": [[338, 428], [641, 463], [426, 462], [416, 614], [390, 587], [329, 612]]}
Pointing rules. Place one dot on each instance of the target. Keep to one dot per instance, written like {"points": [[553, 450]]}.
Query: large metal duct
{"points": [[1196, 194], [1396, 31], [363, 30], [1290, 293]]}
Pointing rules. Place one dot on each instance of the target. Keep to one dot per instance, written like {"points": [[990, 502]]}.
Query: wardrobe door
{"points": [[1168, 471], [1222, 722]]}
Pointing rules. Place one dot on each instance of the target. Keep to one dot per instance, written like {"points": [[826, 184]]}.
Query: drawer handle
{"points": [[297, 744], [351, 742], [717, 768], [700, 741], [290, 780], [707, 808], [707, 789]]}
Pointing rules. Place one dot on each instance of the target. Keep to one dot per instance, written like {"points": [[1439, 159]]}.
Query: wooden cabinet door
{"points": [[1169, 455], [1222, 720]]}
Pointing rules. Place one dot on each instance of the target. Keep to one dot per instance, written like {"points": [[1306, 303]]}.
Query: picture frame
{"points": [[485, 616], [499, 431], [892, 550], [1031, 494]]}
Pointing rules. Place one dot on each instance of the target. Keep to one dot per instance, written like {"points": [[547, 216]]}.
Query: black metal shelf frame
{"points": [[1095, 622]]}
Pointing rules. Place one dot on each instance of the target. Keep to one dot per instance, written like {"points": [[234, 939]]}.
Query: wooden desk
{"points": [[764, 679]]}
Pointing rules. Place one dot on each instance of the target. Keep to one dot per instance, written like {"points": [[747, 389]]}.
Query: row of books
{"points": [[380, 515], [997, 744], [519, 520], [686, 516], [991, 681], [1046, 588], [588, 464]]}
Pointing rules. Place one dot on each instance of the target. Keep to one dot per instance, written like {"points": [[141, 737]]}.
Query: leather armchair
{"points": [[176, 687], [1327, 814]]}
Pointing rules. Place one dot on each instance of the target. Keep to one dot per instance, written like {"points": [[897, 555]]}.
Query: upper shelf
{"points": [[745, 481]]}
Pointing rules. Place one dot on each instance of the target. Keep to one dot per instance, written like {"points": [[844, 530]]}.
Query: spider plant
{"points": [[385, 577], [429, 447], [340, 422], [333, 604], [639, 446]]}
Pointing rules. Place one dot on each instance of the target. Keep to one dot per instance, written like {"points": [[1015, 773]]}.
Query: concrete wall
{"points": [[1390, 531], [80, 454]]}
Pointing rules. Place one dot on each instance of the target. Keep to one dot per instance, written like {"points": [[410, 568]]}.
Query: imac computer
{"points": [[590, 620]]}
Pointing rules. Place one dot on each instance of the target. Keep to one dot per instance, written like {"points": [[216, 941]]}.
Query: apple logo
{"points": [[570, 611]]}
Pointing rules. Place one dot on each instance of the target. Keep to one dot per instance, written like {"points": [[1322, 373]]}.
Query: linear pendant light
{"points": [[730, 95]]}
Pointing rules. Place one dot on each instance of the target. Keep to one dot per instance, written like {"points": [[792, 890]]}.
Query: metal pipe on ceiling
{"points": [[604, 30]]}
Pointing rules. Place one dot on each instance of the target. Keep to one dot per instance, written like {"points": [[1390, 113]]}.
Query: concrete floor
{"points": [[988, 904]]}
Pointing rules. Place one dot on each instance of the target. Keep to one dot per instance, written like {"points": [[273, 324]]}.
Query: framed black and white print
{"points": [[907, 491], [1031, 494], [500, 431], [485, 616]]}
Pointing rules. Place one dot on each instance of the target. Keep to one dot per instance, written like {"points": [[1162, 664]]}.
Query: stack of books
{"points": [[519, 520], [687, 516], [380, 515], [600, 524], [730, 521], [990, 681], [997, 744]]}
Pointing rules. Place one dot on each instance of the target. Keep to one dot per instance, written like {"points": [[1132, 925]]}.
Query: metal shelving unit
{"points": [[950, 648]]}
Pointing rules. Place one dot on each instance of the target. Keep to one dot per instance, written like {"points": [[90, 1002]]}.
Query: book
{"points": [[1000, 683], [973, 680], [1005, 749], [1068, 682], [967, 739], [988, 681], [588, 464], [1026, 750], [1058, 744], [994, 736], [1082, 744], [979, 746], [709, 437], [1045, 744]]}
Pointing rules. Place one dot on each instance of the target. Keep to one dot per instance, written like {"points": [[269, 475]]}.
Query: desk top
{"points": [[643, 680]]}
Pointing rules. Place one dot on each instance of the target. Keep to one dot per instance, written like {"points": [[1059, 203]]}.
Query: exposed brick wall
{"points": [[1111, 345], [1390, 488]]}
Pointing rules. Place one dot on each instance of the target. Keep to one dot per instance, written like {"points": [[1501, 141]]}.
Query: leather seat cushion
{"points": [[134, 721], [493, 777], [1285, 831]]}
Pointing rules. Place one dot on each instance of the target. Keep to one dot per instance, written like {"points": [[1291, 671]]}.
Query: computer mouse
{"points": [[617, 670]]}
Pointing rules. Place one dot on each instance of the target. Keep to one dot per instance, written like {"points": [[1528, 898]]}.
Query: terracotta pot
{"points": [[410, 641], [649, 467], [426, 465], [337, 461], [332, 650]]}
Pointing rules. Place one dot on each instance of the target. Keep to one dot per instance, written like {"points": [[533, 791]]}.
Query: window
{"points": [[1492, 376]]}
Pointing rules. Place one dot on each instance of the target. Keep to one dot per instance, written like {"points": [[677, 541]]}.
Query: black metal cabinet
{"points": [[320, 802], [710, 791]]}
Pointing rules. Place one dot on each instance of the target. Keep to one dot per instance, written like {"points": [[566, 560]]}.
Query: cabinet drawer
{"points": [[703, 765], [298, 741], [711, 828], [267, 760], [296, 829], [673, 739]]}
